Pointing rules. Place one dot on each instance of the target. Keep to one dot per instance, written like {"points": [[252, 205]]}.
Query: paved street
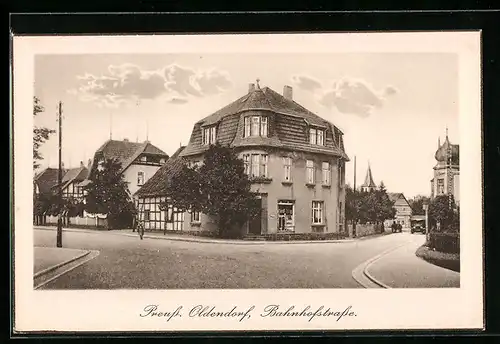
{"points": [[401, 268], [128, 263]]}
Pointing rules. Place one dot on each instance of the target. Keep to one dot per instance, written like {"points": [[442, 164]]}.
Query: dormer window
{"points": [[255, 126], [317, 136], [209, 135]]}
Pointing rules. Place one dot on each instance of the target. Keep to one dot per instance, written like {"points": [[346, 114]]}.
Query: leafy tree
{"points": [[374, 206], [108, 194], [40, 134], [219, 188], [417, 204], [441, 212]]}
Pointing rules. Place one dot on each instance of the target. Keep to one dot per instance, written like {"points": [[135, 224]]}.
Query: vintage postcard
{"points": [[248, 182]]}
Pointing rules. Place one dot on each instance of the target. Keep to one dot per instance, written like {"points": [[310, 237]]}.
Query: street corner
{"points": [[51, 262], [401, 268]]}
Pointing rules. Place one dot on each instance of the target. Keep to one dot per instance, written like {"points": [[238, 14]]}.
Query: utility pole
{"points": [[59, 180]]}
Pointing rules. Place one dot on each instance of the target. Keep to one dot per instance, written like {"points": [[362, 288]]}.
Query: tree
{"points": [[441, 212], [108, 194], [417, 204], [40, 134], [374, 206], [219, 188]]}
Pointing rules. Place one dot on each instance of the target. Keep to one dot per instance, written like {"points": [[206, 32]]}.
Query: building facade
{"points": [[446, 171], [295, 160], [139, 161], [403, 210]]}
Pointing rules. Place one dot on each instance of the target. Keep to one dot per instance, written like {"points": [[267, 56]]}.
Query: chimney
{"points": [[89, 164], [81, 164], [125, 140], [288, 92], [251, 87]]}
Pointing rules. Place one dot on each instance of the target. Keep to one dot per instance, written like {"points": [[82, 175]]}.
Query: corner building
{"points": [[295, 159]]}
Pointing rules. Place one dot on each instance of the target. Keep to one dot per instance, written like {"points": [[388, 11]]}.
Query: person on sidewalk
{"points": [[394, 227]]}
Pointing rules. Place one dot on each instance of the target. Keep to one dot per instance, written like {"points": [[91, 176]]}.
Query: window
{"points": [[440, 186], [178, 219], [326, 173], [209, 135], [140, 178], [317, 212], [255, 126], [263, 126], [310, 171], [255, 165], [247, 127], [246, 162], [195, 216], [263, 165], [146, 215], [287, 166], [317, 136]]}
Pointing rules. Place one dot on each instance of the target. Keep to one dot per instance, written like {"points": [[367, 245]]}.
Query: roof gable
{"points": [[157, 184], [47, 179], [288, 123]]}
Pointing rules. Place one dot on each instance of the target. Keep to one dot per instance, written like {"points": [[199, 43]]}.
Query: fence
{"points": [[366, 229], [78, 221], [445, 242]]}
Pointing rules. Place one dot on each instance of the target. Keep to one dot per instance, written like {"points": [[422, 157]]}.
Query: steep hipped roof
{"points": [[288, 123], [46, 179], [126, 152], [369, 179], [157, 184]]}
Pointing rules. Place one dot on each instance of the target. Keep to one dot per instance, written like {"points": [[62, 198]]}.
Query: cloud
{"points": [[347, 95], [129, 84], [306, 82]]}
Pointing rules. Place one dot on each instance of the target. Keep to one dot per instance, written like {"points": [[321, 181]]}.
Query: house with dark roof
{"points": [[45, 180], [295, 159], [403, 210], [71, 180], [139, 161]]}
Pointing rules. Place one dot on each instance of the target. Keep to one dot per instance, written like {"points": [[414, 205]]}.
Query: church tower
{"points": [[447, 170], [369, 184]]}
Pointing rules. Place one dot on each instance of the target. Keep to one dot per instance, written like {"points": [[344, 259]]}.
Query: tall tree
{"points": [[441, 212], [108, 194], [40, 134], [417, 204], [219, 188]]}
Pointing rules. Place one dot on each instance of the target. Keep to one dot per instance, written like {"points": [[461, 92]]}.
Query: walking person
{"points": [[394, 227]]}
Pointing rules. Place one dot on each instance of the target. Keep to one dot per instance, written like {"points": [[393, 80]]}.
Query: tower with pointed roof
{"points": [[369, 184], [447, 170]]}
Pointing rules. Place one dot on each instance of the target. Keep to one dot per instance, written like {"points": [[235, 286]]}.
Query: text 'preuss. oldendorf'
{"points": [[241, 313]]}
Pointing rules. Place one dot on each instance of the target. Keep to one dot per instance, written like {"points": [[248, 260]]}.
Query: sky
{"points": [[392, 107]]}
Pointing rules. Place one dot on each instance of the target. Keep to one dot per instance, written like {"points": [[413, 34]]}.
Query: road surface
{"points": [[127, 262]]}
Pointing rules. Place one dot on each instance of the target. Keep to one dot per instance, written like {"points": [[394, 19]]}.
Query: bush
{"points": [[444, 242]]}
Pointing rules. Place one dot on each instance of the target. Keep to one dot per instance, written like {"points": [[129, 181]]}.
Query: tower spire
{"points": [[439, 141], [111, 125], [446, 132]]}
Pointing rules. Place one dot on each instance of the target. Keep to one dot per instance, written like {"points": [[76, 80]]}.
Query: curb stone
{"points": [[59, 265], [74, 230]]}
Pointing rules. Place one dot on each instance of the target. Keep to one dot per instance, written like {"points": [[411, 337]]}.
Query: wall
{"points": [[130, 175], [364, 230], [298, 191]]}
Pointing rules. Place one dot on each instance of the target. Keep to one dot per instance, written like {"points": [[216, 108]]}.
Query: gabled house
{"points": [[403, 210], [295, 159], [71, 180], [45, 180], [139, 161]]}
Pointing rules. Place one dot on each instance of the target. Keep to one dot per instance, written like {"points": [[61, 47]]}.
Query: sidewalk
{"points": [[49, 258], [180, 237], [401, 268]]}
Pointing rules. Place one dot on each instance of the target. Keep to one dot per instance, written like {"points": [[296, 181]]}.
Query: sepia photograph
{"points": [[249, 169]]}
